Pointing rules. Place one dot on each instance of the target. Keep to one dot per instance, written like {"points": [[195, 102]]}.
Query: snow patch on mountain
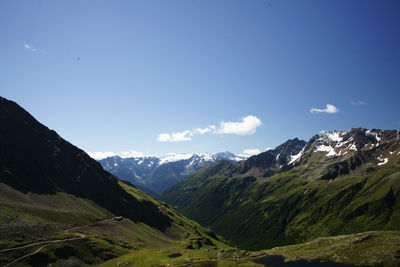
{"points": [[343, 142], [206, 156], [382, 160], [353, 147], [294, 158], [329, 149], [373, 134], [334, 136]]}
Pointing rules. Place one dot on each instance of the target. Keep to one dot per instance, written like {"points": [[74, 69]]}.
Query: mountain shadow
{"points": [[36, 159]]}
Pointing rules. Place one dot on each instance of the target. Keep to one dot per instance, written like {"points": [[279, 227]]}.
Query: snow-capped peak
{"points": [[332, 136], [335, 136], [331, 141], [206, 156], [199, 157], [357, 139], [172, 157]]}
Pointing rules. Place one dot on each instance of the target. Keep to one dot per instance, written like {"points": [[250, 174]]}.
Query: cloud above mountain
{"points": [[124, 154], [329, 109], [101, 155], [250, 152], [246, 126], [359, 102], [208, 129], [29, 47], [175, 137]]}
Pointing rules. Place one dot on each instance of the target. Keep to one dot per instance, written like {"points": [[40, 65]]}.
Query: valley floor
{"points": [[104, 243], [376, 248]]}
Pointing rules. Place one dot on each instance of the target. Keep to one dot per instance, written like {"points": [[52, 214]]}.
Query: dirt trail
{"points": [[50, 242]]}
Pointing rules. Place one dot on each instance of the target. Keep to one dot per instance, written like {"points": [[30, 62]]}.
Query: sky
{"points": [[167, 76]]}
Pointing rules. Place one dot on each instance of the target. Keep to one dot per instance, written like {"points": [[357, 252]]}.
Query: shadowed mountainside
{"points": [[36, 159]]}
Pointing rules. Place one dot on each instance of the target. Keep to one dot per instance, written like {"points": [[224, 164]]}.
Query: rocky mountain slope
{"points": [[339, 182], [154, 174]]}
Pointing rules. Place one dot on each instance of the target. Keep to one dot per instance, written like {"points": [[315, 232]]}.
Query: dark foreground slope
{"points": [[59, 204], [36, 159], [338, 183]]}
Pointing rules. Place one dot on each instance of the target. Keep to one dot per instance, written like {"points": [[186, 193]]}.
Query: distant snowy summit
{"points": [[196, 158], [154, 174], [346, 149]]}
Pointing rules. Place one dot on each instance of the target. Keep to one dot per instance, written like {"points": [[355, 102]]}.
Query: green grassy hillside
{"points": [[58, 205], [293, 206], [28, 218]]}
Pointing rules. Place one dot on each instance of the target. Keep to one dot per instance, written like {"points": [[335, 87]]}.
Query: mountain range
{"points": [[155, 174], [331, 201], [339, 182]]}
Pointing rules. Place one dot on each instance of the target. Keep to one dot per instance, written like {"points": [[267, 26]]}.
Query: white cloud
{"points": [[175, 137], [164, 137], [101, 155], [359, 102], [247, 126], [125, 154], [27, 46], [329, 109], [250, 152], [202, 131], [131, 154]]}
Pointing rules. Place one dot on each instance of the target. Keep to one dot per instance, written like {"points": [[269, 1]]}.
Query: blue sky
{"points": [[114, 75]]}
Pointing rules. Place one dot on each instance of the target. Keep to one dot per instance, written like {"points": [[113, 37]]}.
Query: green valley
{"points": [[314, 197]]}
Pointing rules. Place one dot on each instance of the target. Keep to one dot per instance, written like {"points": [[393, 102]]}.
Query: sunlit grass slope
{"points": [[255, 212]]}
